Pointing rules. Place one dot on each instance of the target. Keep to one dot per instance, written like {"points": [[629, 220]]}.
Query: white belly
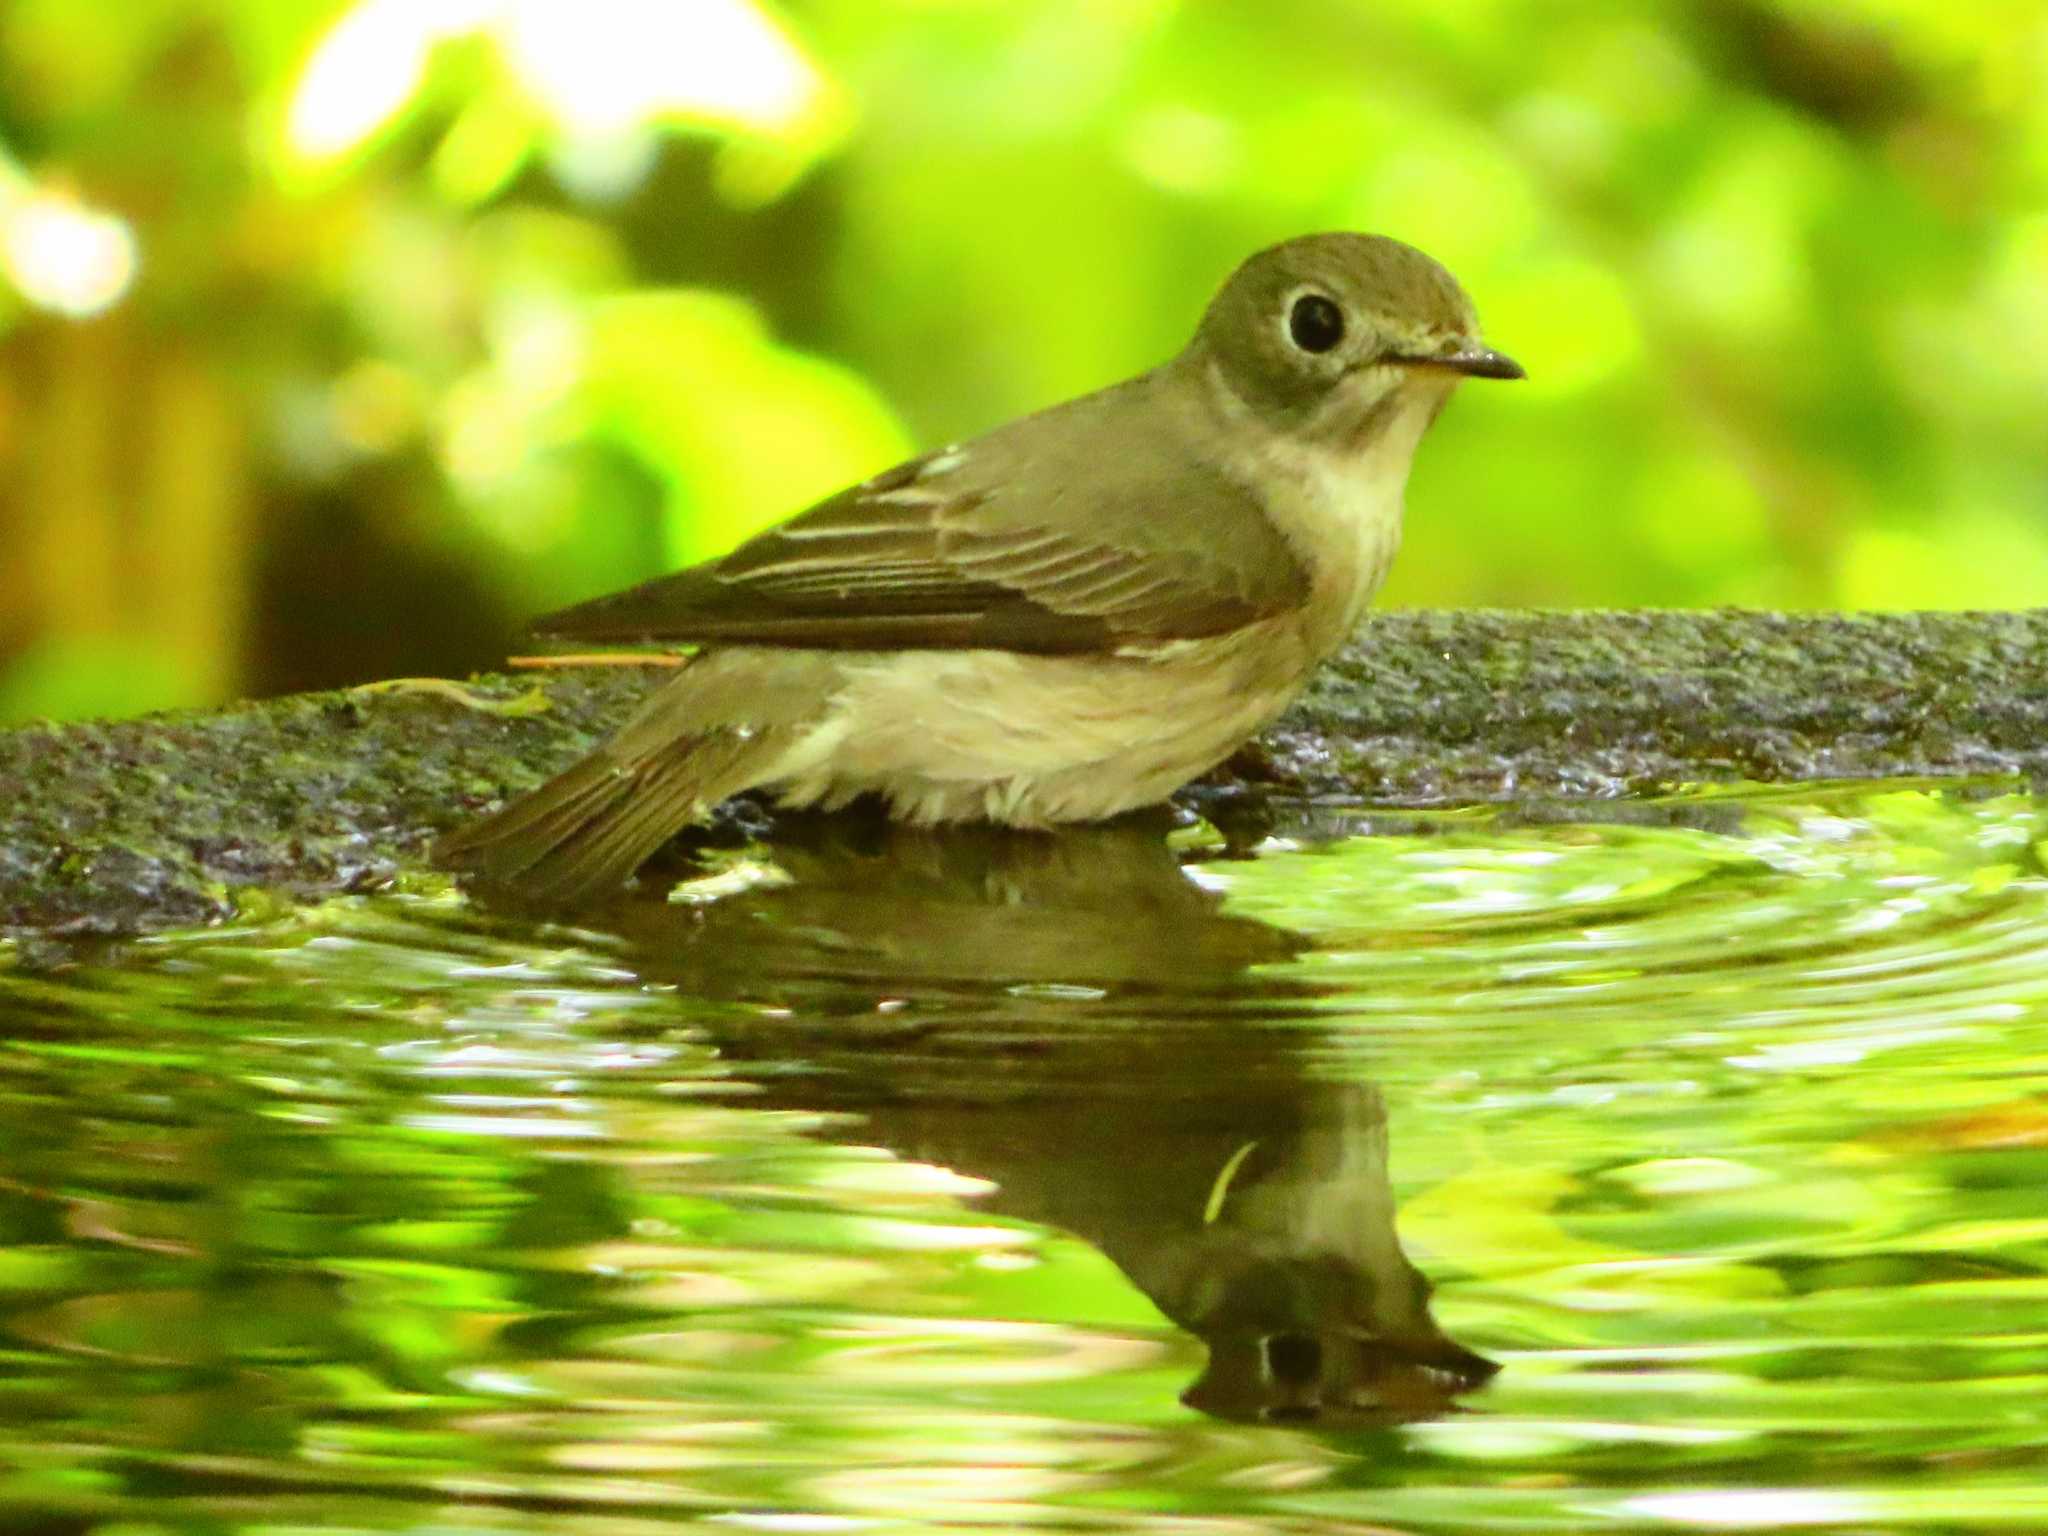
{"points": [[1038, 740]]}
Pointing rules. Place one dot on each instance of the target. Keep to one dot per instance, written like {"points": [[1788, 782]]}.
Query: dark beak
{"points": [[1474, 361]]}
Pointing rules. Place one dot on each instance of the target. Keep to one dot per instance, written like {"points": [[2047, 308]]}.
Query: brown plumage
{"points": [[1060, 620], [956, 550]]}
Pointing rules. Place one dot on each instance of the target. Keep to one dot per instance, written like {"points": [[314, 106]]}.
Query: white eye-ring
{"points": [[1315, 322]]}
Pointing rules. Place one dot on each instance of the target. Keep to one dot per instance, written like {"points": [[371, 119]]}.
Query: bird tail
{"points": [[585, 830]]}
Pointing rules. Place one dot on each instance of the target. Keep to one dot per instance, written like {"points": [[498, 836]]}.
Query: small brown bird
{"points": [[1063, 619]]}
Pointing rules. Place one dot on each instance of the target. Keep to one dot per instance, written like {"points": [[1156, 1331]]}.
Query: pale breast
{"points": [[1362, 519], [1342, 512]]}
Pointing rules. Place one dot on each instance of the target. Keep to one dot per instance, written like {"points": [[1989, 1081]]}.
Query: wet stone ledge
{"points": [[170, 820]]}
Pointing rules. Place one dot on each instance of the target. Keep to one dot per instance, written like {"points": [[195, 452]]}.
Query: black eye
{"points": [[1315, 323]]}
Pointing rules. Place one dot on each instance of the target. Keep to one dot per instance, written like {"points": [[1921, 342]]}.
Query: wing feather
{"points": [[957, 550]]}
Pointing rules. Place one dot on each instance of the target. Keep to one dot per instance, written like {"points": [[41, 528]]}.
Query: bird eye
{"points": [[1315, 323]]}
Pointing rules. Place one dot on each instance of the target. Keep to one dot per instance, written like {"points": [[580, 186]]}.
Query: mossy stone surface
{"points": [[126, 826]]}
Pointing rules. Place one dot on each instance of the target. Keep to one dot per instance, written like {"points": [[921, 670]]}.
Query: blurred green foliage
{"points": [[338, 334]]}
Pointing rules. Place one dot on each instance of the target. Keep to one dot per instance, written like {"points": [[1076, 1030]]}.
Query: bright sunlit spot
{"points": [[598, 72], [606, 65], [63, 255], [367, 68]]}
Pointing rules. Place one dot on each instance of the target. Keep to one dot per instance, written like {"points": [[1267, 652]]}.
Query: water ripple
{"points": [[1098, 1182]]}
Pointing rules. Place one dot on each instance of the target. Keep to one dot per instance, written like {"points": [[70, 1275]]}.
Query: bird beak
{"points": [[1472, 360]]}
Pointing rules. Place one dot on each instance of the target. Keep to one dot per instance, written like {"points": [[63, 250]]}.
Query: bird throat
{"points": [[1339, 505]]}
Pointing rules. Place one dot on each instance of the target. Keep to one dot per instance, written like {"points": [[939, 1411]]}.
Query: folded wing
{"points": [[1106, 542]]}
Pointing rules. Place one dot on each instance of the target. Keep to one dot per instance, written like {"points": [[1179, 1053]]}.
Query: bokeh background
{"points": [[336, 335]]}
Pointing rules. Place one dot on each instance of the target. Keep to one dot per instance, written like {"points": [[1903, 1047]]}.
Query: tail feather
{"points": [[584, 831], [655, 803], [723, 724]]}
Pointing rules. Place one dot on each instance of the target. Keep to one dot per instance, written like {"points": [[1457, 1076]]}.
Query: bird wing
{"points": [[1081, 538]]}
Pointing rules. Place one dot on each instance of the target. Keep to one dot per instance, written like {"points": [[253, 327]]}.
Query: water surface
{"points": [[1452, 1172]]}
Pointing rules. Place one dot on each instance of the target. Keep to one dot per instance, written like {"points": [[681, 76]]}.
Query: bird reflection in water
{"points": [[1073, 1019]]}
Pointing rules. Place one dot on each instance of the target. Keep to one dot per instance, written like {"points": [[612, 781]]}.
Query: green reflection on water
{"points": [[888, 1181]]}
